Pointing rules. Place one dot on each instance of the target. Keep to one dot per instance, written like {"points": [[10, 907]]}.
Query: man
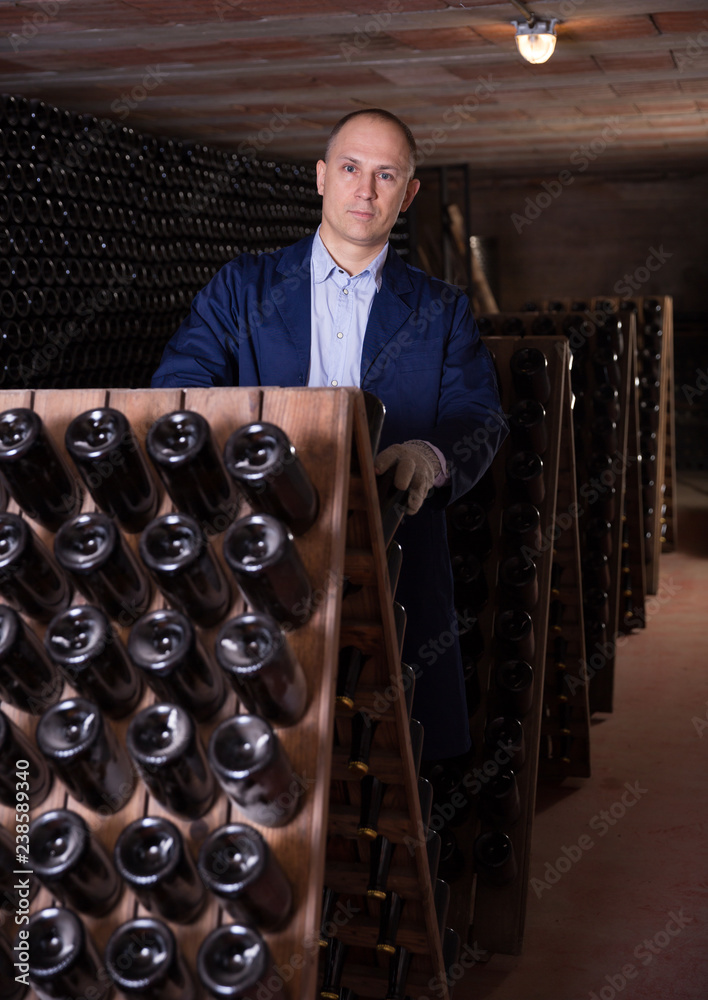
{"points": [[342, 308]]}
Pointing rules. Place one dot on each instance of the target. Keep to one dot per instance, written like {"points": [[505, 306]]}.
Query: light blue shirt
{"points": [[340, 307]]}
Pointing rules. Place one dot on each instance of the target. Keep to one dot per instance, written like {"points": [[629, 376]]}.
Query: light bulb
{"points": [[536, 42]]}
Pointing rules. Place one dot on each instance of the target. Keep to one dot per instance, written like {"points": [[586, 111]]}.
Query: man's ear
{"points": [[411, 192], [321, 171]]}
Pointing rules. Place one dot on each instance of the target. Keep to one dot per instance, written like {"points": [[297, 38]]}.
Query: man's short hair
{"points": [[382, 115]]}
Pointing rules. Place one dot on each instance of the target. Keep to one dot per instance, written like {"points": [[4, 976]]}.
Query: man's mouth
{"points": [[360, 214]]}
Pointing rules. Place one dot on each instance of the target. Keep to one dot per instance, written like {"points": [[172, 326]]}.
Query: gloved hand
{"points": [[417, 467]]}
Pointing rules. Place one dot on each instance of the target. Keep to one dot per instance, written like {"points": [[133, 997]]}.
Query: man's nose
{"points": [[367, 186]]}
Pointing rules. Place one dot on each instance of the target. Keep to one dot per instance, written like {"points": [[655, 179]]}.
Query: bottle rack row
{"points": [[655, 372], [104, 230], [608, 473], [549, 718], [345, 541]]}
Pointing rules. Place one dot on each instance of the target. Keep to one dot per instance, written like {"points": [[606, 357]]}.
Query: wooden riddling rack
{"points": [[493, 916], [625, 611], [659, 493], [324, 425]]}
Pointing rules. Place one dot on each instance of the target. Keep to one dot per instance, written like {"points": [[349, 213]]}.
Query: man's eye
{"points": [[387, 177], [349, 167]]}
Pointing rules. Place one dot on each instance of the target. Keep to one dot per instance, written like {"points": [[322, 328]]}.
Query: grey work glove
{"points": [[417, 468]]}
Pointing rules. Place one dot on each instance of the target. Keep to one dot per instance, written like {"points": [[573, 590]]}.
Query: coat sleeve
{"points": [[205, 349], [470, 425]]}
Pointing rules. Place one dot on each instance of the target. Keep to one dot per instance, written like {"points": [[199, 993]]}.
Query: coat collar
{"points": [[388, 312]]}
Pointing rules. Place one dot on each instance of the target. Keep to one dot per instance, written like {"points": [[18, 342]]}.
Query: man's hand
{"points": [[417, 468]]}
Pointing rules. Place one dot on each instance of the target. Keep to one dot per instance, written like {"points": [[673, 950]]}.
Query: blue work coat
{"points": [[422, 356]]}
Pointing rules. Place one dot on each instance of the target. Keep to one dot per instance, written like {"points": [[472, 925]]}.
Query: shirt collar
{"points": [[323, 263]]}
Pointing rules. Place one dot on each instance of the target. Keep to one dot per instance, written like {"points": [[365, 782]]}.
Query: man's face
{"points": [[365, 182]]}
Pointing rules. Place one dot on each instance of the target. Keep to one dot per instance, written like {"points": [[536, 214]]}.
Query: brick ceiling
{"points": [[626, 88]]}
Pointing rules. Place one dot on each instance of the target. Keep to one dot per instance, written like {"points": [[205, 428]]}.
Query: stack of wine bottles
{"points": [[655, 372], [517, 593], [177, 649], [106, 235], [76, 746], [603, 348]]}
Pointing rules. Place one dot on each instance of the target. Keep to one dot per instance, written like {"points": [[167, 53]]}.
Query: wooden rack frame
{"points": [[324, 425]]}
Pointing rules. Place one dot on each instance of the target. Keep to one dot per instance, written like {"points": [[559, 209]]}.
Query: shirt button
{"points": [[339, 336], [335, 382], [346, 291]]}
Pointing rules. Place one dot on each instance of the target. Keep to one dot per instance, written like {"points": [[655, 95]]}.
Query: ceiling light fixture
{"points": [[535, 37]]}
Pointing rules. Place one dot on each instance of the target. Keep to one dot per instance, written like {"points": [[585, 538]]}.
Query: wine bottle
{"points": [[63, 960], [164, 647], [524, 476], [394, 562], [152, 859], [72, 864], [392, 504], [469, 528], [372, 793], [28, 679], [519, 582], [107, 455], [31, 581], [90, 548], [233, 963], [527, 421], [182, 450], [471, 590], [499, 799], [529, 372], [389, 920], [351, 663], [264, 464], [254, 770], [237, 865], [143, 961], [165, 745], [38, 477], [398, 969], [327, 925], [263, 671], [494, 858], [84, 752], [514, 682], [262, 556], [175, 550], [442, 904], [363, 728], [521, 523], [452, 861], [335, 957], [380, 856], [504, 736], [93, 659], [24, 774], [514, 633]]}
